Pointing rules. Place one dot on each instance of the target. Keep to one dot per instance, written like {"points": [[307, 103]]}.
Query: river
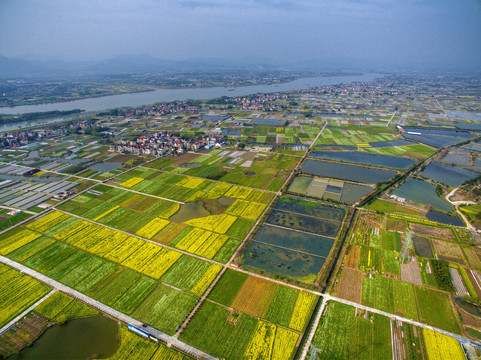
{"points": [[166, 95]]}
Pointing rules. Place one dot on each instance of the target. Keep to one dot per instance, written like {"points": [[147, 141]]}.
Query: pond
{"points": [[434, 140], [347, 172], [85, 338], [448, 175], [456, 159], [189, 211], [443, 218], [422, 192], [365, 159]]}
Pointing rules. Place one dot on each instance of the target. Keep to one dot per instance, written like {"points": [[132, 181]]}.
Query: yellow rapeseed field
{"points": [[153, 227], [131, 182], [284, 343], [302, 309], [206, 279], [190, 182], [260, 346], [47, 221], [440, 346], [215, 223], [17, 240]]}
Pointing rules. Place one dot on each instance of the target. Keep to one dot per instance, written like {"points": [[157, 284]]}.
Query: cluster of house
{"points": [[160, 144], [15, 139]]}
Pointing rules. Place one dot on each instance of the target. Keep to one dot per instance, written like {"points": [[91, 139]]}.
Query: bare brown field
{"points": [[410, 272], [350, 285], [396, 225], [254, 296], [437, 232], [352, 257], [449, 249], [169, 233], [185, 158], [469, 319]]}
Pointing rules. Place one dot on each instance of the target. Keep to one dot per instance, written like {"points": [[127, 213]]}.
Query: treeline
{"points": [[4, 119], [441, 274]]}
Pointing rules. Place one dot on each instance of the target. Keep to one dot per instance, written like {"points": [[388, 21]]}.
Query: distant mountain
{"points": [[123, 64]]}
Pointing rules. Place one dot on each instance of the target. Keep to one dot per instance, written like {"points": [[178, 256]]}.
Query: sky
{"points": [[387, 33]]}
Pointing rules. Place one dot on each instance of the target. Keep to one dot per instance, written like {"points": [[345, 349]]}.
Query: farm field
{"points": [[264, 299], [18, 292], [211, 224], [413, 302], [248, 168], [123, 272], [296, 239], [217, 331], [347, 333]]}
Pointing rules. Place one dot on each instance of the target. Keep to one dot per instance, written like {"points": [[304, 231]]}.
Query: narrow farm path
{"points": [[30, 308]]}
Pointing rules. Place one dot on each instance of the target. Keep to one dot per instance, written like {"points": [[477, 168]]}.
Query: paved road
{"points": [[171, 340], [14, 321], [312, 332], [460, 338], [458, 203]]}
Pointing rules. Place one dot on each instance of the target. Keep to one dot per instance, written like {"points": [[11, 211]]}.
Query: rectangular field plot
{"points": [[311, 208], [123, 210], [285, 263], [215, 330], [18, 291], [354, 173], [296, 239], [347, 333], [165, 308], [264, 299], [328, 189], [413, 302], [239, 167], [303, 223]]}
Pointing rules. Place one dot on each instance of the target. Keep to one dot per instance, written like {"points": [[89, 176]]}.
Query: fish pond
{"points": [[282, 262], [347, 172], [422, 192], [328, 189], [443, 218], [84, 338], [448, 175], [296, 239], [365, 158]]}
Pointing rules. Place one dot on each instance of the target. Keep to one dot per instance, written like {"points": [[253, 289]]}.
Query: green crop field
{"points": [[227, 287], [282, 306], [343, 335], [165, 309], [186, 272], [435, 308], [210, 331], [266, 172]]}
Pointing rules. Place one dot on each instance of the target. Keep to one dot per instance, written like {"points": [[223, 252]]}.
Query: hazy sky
{"points": [[381, 32]]}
